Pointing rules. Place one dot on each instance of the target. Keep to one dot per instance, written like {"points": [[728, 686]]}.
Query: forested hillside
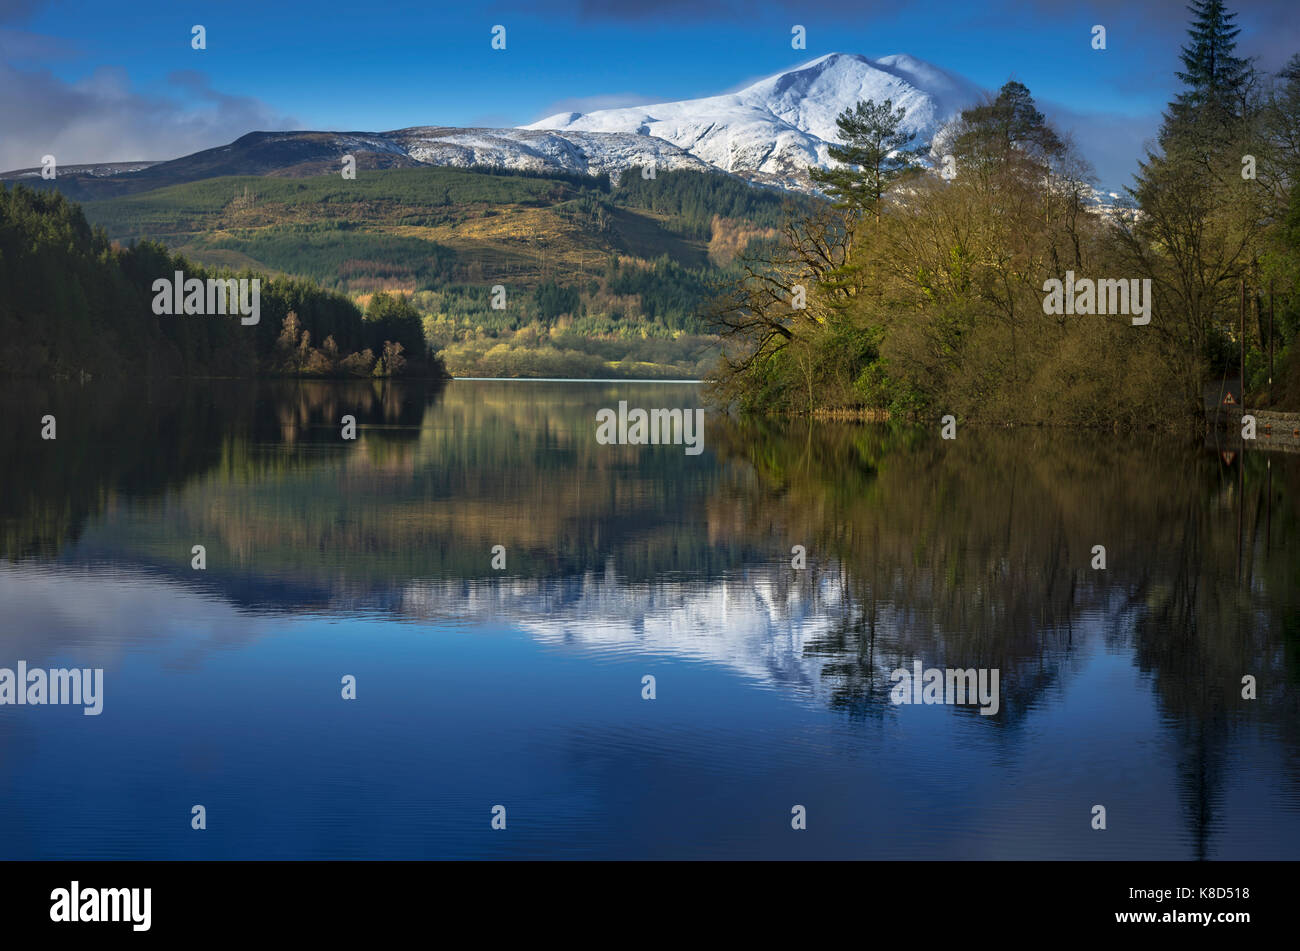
{"points": [[72, 303], [598, 278]]}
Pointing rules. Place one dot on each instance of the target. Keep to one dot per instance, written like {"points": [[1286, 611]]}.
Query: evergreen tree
{"points": [[1217, 82], [872, 156], [1008, 130], [1200, 230]]}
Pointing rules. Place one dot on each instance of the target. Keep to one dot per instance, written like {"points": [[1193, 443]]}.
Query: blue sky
{"points": [[111, 82]]}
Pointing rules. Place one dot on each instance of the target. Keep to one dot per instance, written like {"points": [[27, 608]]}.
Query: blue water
{"points": [[523, 687]]}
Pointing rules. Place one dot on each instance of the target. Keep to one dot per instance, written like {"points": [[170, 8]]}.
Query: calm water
{"points": [[523, 687]]}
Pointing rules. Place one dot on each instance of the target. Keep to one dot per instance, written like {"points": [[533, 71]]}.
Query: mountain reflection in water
{"points": [[325, 557]]}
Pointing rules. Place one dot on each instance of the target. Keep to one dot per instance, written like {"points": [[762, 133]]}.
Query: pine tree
{"points": [[872, 156], [1217, 82], [1201, 222], [1008, 129]]}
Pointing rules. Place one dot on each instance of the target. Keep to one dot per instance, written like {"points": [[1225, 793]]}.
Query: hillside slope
{"points": [[415, 229]]}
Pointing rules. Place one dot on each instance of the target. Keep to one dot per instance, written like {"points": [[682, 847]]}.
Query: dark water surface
{"points": [[476, 687]]}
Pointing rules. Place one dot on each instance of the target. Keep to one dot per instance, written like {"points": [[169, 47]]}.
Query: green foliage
{"points": [[393, 318], [554, 300], [872, 156], [670, 294], [415, 196], [71, 303], [691, 200], [1008, 128], [339, 256], [572, 358], [1215, 81]]}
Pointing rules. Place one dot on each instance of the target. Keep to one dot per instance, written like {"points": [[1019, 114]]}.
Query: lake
{"points": [[516, 676]]}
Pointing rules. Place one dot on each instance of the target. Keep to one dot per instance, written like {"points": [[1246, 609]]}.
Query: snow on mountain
{"points": [[529, 150], [103, 170], [312, 153], [774, 129]]}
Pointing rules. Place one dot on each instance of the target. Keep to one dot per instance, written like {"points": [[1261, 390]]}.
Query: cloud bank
{"points": [[102, 119]]}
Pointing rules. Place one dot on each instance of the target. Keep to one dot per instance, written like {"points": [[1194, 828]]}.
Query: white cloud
{"points": [[102, 119]]}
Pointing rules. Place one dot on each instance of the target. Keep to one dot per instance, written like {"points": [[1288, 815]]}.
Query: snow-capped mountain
{"points": [[774, 129], [770, 132]]}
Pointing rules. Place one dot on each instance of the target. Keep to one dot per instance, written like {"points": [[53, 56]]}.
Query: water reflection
{"points": [[974, 553]]}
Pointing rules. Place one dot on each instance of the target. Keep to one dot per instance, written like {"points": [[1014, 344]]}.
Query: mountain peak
{"points": [[776, 128], [831, 59]]}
